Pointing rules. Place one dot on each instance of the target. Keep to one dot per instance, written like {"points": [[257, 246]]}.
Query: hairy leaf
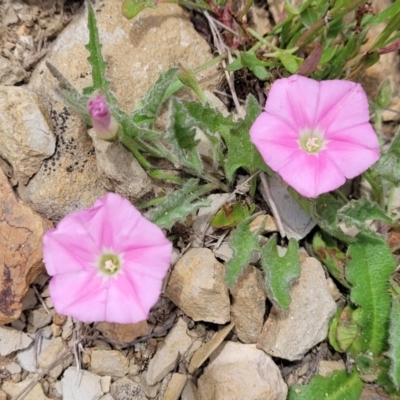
{"points": [[369, 267], [389, 164], [243, 244], [394, 342], [343, 329], [178, 205], [241, 152], [280, 272], [337, 386]]}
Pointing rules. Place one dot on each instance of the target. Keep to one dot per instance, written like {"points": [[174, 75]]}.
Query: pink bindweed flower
{"points": [[107, 262], [104, 124], [316, 134]]}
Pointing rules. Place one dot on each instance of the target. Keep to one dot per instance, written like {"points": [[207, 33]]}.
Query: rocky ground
{"points": [[202, 341]]}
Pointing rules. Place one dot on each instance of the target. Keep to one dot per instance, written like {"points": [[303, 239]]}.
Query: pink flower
{"points": [[107, 262], [316, 134], [105, 126]]}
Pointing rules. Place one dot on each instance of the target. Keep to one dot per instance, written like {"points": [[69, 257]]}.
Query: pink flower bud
{"points": [[105, 126]]}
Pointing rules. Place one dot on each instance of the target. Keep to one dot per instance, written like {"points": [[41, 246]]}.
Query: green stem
{"points": [[341, 196], [245, 10], [376, 187], [390, 201]]}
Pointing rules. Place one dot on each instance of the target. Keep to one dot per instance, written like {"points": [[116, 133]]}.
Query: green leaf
{"points": [[231, 215], [328, 54], [280, 272], [180, 204], [394, 342], [323, 210], [289, 61], [96, 60], [241, 152], [369, 266], [243, 244], [384, 94], [309, 17], [388, 166], [386, 14], [337, 386], [150, 104], [131, 8], [357, 212], [343, 329], [260, 72], [332, 257]]}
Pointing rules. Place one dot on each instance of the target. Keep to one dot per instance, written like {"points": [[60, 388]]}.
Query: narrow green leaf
{"points": [[180, 204], [241, 152], [96, 59], [357, 212], [369, 267], [337, 386], [328, 54], [388, 166], [280, 272], [386, 14], [151, 103], [394, 342], [289, 61], [384, 95], [243, 244]]}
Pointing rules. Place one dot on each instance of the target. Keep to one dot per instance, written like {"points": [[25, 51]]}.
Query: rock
{"points": [[28, 357], [11, 72], [125, 389], [82, 385], [178, 343], [12, 340], [175, 387], [36, 393], [265, 223], [105, 382], [107, 397], [251, 374], [39, 318], [30, 300], [207, 349], [21, 231], [197, 286], [326, 367], [248, 304], [289, 334], [150, 391], [137, 52], [56, 348], [25, 136], [14, 368], [3, 395], [118, 171], [109, 362], [123, 332], [190, 390]]}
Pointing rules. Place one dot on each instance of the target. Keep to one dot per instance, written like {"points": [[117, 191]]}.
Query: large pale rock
{"points": [[109, 362], [51, 353], [21, 231], [13, 388], [197, 286], [289, 334], [137, 51], [82, 385], [125, 389], [10, 72], [248, 304], [241, 371], [25, 136], [12, 340], [177, 343]]}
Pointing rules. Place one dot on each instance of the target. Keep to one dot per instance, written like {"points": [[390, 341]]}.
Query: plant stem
{"points": [[376, 187]]}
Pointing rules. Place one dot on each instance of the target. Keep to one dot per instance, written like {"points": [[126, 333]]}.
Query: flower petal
{"points": [[312, 175], [342, 104], [351, 159], [295, 101], [272, 128]]}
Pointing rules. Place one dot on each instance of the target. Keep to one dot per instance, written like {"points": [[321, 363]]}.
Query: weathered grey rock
{"points": [[109, 362], [28, 357], [241, 371], [190, 390], [12, 340], [248, 304], [25, 136], [39, 318], [13, 368], [326, 367], [125, 389], [13, 388], [82, 385], [30, 300], [289, 334], [51, 353], [10, 72], [177, 343], [137, 51], [197, 286]]}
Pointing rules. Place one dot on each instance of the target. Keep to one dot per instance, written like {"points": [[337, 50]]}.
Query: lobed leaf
{"points": [[178, 205], [337, 386], [243, 243], [394, 343], [280, 272], [369, 267]]}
